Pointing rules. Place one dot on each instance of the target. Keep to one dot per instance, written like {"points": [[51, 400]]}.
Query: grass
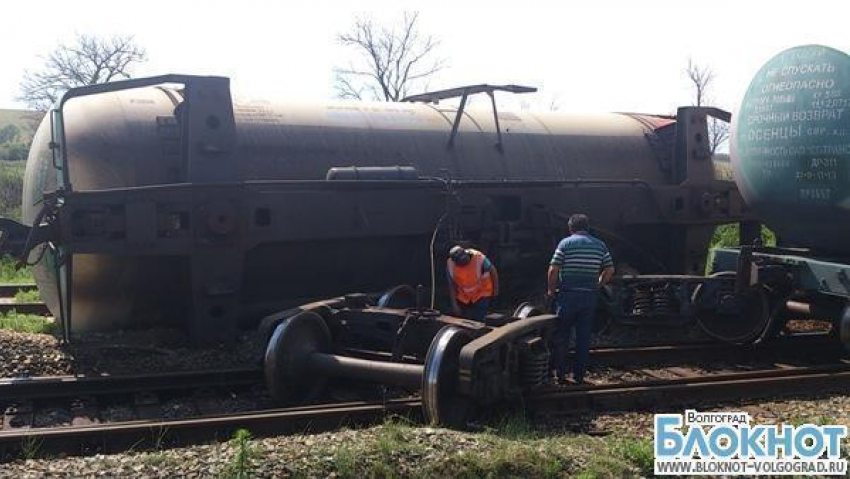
{"points": [[511, 447], [508, 459], [30, 447], [825, 421], [9, 273], [606, 466], [157, 459], [392, 439], [241, 464], [345, 461], [515, 427], [11, 190], [26, 323], [27, 296], [638, 452], [798, 421]]}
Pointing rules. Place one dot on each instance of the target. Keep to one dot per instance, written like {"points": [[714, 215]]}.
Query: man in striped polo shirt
{"points": [[581, 264]]}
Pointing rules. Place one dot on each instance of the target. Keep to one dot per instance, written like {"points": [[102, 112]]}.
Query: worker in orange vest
{"points": [[473, 282]]}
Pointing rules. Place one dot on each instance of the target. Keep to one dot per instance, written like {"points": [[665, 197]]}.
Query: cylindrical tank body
{"points": [[791, 148], [131, 138]]}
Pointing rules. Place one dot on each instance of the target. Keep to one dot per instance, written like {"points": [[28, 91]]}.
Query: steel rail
{"points": [[820, 345], [800, 345], [12, 389], [117, 437], [704, 388], [38, 309], [10, 289]]}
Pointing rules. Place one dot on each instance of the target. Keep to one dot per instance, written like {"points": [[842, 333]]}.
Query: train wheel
{"points": [[440, 399], [776, 323], [286, 369], [527, 310], [733, 318], [844, 327]]}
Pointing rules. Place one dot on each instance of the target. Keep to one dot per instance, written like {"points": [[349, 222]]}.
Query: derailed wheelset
{"points": [[456, 365]]}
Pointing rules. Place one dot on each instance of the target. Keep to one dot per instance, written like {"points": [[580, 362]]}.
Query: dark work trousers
{"points": [[476, 310], [576, 309]]}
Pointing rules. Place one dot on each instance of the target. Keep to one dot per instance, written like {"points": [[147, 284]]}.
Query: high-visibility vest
{"points": [[469, 283]]}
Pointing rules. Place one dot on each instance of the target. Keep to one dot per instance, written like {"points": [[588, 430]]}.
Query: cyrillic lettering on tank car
{"points": [[791, 130]]}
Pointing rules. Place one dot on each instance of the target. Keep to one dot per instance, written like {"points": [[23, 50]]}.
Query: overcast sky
{"points": [[589, 56]]}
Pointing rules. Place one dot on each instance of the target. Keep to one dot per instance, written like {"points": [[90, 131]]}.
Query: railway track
{"points": [[37, 309], [117, 437], [8, 290], [804, 346], [74, 400], [9, 304], [69, 401], [16, 389], [690, 388], [683, 386]]}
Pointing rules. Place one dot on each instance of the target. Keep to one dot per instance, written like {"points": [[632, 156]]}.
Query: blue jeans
{"points": [[576, 309], [476, 310]]}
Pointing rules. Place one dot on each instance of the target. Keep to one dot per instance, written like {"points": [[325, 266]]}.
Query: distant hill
{"points": [[26, 120], [14, 116]]}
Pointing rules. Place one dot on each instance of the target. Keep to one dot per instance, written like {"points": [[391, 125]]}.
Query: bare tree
{"points": [[718, 133], [702, 78], [88, 61], [389, 60]]}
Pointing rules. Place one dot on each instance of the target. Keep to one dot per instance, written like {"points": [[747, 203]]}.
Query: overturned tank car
{"points": [[160, 201]]}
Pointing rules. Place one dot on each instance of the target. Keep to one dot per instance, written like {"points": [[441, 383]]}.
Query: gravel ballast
{"points": [[142, 352], [610, 445]]}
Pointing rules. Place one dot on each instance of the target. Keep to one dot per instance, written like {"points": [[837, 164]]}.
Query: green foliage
{"points": [[825, 421], [638, 452], [768, 236], [26, 323], [242, 463], [513, 447], [9, 133], [392, 439], [9, 273], [11, 189], [798, 421], [158, 459], [30, 447], [345, 462], [504, 459], [515, 427], [16, 130], [14, 152], [27, 296], [727, 236], [605, 466]]}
